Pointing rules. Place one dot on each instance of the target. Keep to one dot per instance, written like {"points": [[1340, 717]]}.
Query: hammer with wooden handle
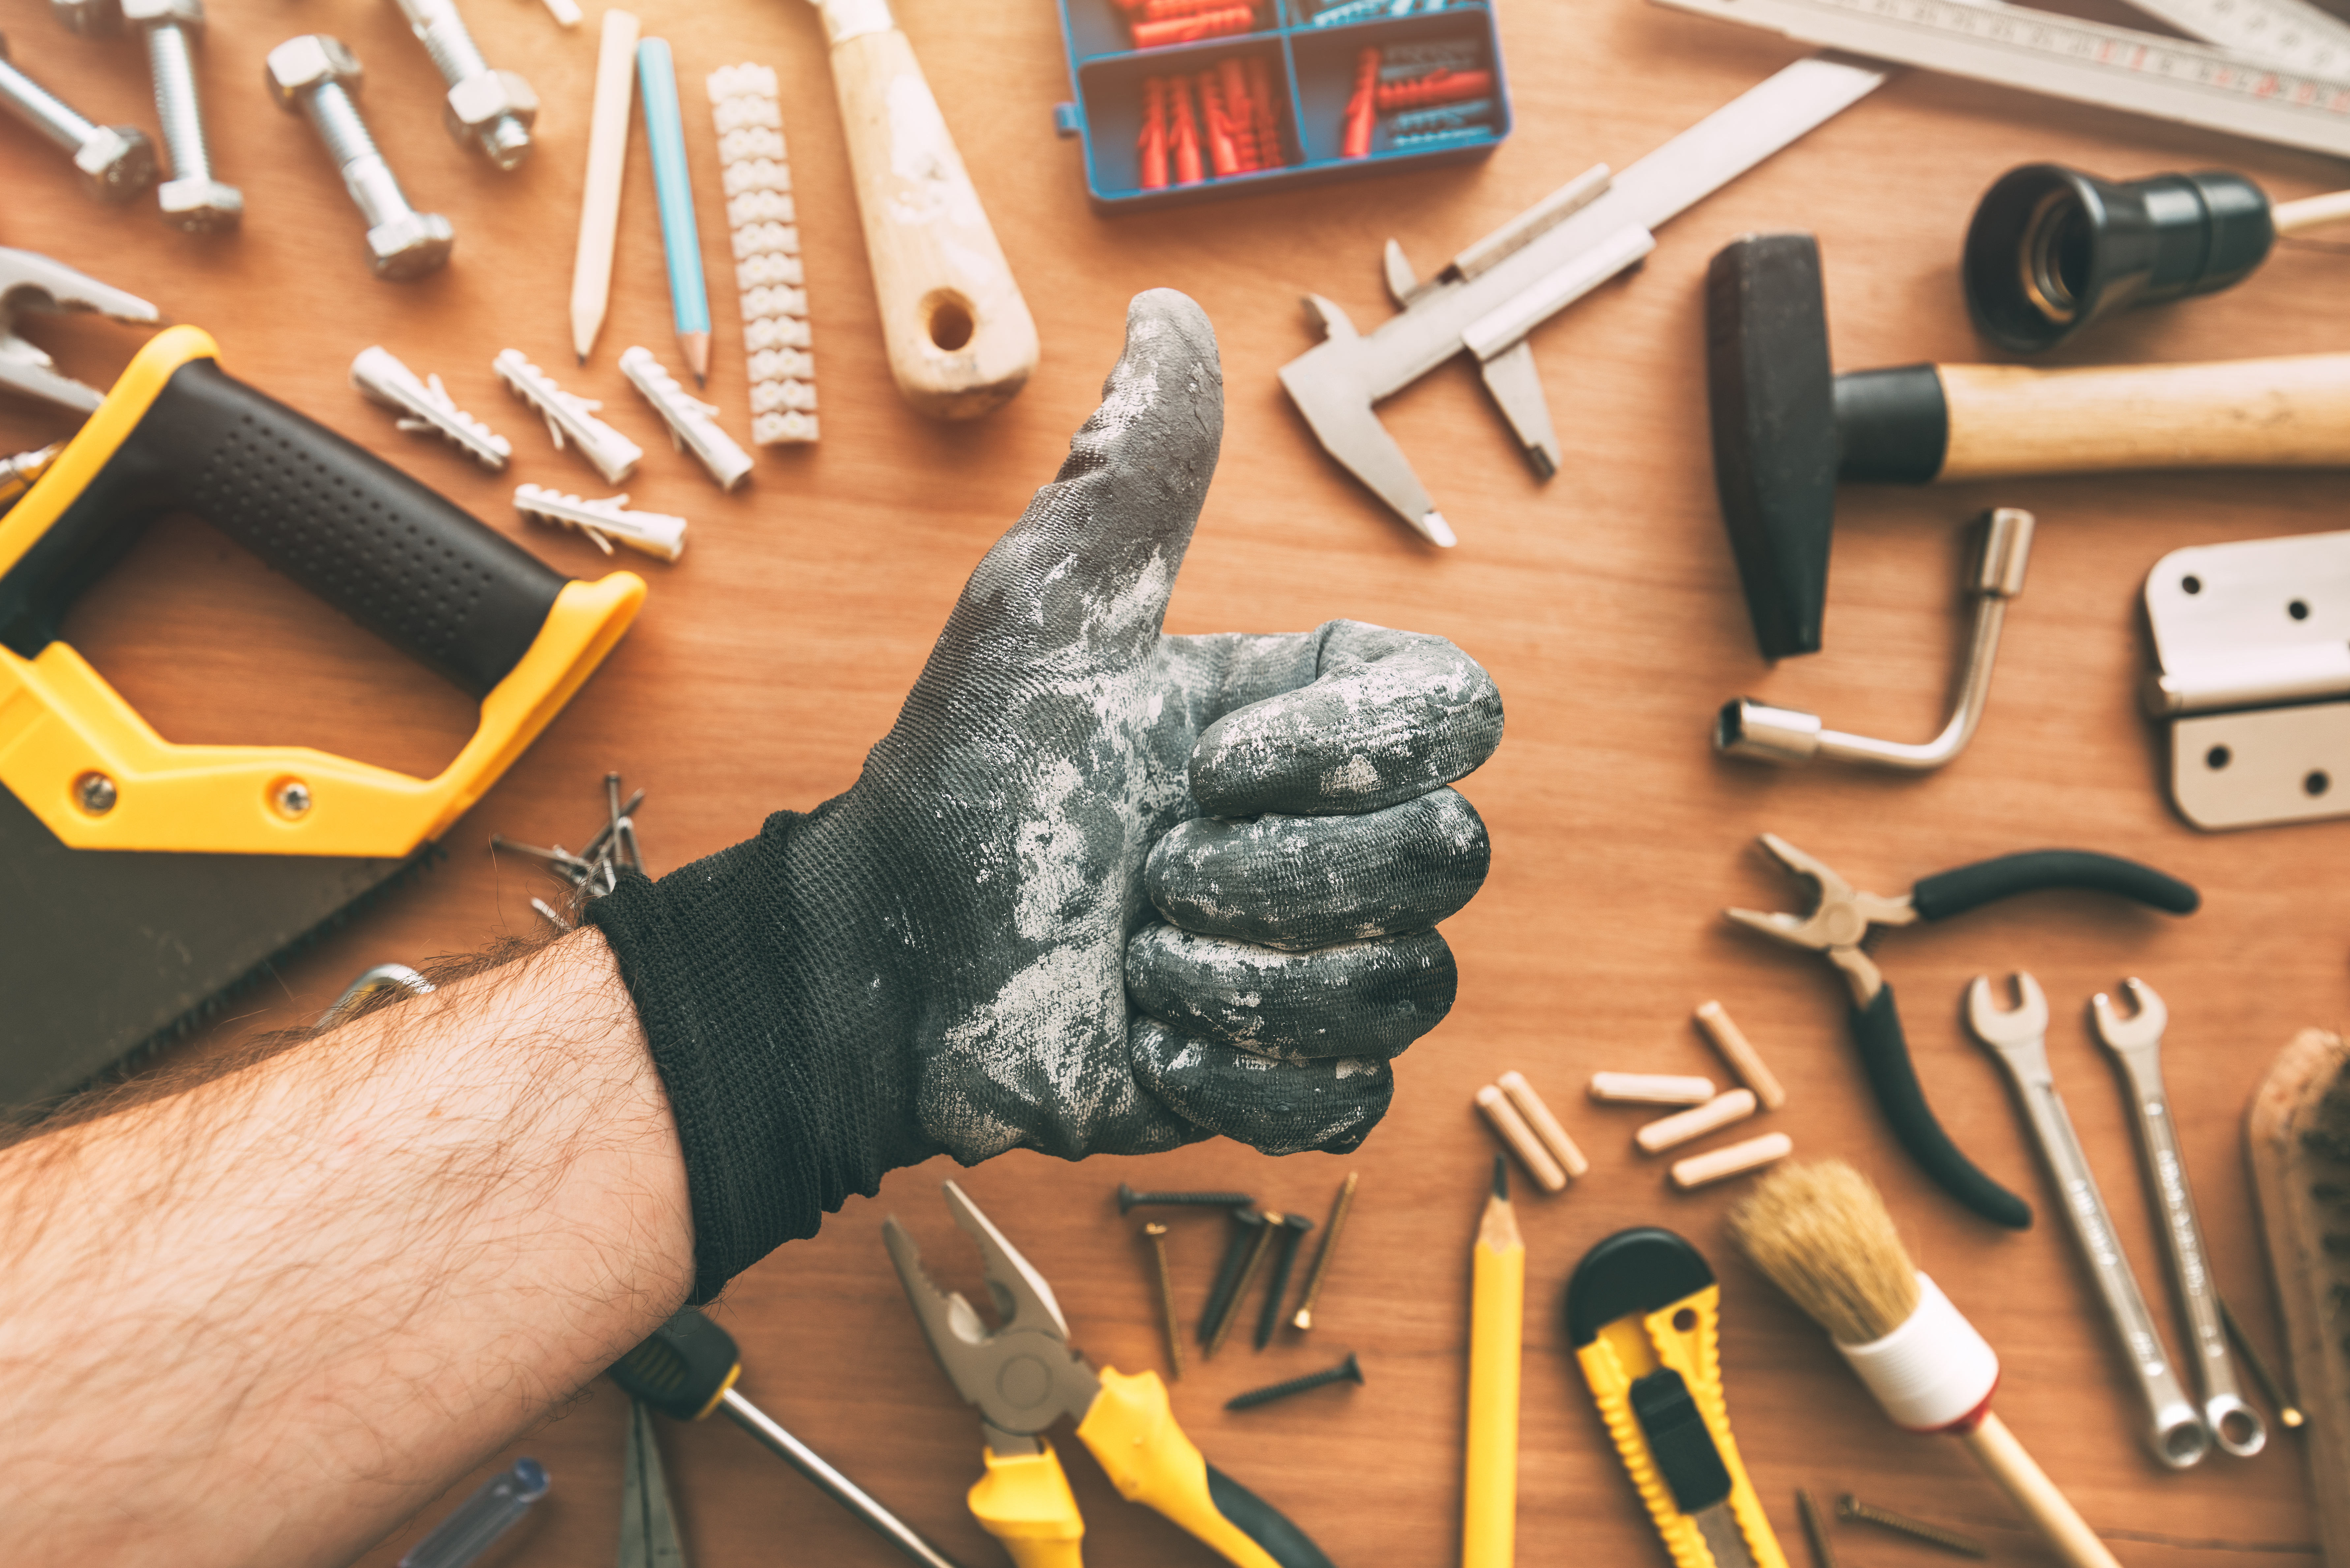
{"points": [[1786, 429], [959, 337]]}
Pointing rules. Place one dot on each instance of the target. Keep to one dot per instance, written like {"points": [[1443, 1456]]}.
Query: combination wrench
{"points": [[2019, 1037], [2136, 1043]]}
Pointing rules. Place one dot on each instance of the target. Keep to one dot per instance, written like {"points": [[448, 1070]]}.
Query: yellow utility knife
{"points": [[1024, 1375], [1643, 1313]]}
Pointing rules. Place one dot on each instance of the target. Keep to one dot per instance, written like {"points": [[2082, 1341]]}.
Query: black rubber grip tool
{"points": [[1841, 921]]}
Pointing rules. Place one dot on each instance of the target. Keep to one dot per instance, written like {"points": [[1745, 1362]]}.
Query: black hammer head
{"points": [[1774, 434]]}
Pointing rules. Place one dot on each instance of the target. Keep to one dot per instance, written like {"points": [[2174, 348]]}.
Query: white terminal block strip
{"points": [[605, 522], [760, 211]]}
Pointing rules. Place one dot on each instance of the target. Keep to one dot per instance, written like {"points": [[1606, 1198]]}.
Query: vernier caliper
{"points": [[1492, 295]]}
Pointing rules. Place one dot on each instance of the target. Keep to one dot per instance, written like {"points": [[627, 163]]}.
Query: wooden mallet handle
{"points": [[959, 337]]}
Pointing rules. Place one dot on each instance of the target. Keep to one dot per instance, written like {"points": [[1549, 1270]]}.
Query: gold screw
{"points": [[1849, 1507], [1816, 1526], [1158, 1235], [1305, 1318]]}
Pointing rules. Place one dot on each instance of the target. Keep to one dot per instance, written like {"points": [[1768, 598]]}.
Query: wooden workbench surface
{"points": [[1604, 602]]}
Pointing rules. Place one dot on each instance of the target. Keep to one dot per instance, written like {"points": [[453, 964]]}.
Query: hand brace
{"points": [[1098, 891]]}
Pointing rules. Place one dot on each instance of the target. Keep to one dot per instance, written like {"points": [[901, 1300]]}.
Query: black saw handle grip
{"points": [[398, 558], [1971, 886], [1263, 1523], [1885, 1057]]}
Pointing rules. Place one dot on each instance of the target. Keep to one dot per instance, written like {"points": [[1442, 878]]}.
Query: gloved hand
{"points": [[1100, 889]]}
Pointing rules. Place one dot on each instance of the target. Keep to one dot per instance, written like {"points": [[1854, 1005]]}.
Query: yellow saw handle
{"points": [[1131, 1429], [1024, 1502]]}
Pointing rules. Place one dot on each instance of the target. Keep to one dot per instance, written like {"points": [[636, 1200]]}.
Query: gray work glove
{"points": [[1098, 891]]}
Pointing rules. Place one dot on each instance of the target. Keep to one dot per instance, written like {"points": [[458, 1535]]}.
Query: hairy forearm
{"points": [[265, 1319]]}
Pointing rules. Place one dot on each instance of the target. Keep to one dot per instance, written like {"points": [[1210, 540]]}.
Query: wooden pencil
{"points": [[607, 159], [1488, 1515]]}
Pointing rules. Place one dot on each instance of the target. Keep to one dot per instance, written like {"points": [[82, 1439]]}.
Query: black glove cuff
{"points": [[778, 1123]]}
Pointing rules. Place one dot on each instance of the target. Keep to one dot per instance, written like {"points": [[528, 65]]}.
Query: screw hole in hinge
{"points": [[2217, 757], [2315, 782], [2298, 609], [2192, 585]]}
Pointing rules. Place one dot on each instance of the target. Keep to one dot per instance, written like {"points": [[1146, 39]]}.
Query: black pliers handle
{"points": [[1840, 922]]}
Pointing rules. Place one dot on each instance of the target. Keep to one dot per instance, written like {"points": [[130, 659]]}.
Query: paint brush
{"points": [[1822, 1234]]}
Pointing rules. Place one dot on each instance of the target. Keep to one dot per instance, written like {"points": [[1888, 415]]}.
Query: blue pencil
{"points": [[665, 131]]}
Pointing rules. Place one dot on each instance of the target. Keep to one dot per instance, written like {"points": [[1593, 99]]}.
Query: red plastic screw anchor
{"points": [[1152, 145], [1362, 113]]}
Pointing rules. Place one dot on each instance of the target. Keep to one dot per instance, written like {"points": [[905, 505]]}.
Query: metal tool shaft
{"points": [[830, 1482], [2235, 1424], [2177, 1433]]}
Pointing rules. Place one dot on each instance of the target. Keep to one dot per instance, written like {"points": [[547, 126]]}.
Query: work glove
{"points": [[1098, 889]]}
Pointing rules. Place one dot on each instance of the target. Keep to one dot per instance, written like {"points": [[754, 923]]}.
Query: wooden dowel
{"points": [[1530, 1105], [2003, 1458], [1695, 1122], [1720, 1164], [1649, 1089], [1521, 1139], [2311, 213], [1739, 1052]]}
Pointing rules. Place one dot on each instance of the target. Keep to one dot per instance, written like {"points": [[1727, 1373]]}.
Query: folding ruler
{"points": [[2275, 71]]}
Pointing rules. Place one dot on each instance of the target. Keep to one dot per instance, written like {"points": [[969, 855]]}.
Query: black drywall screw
{"points": [[1293, 1231], [1268, 1223], [1129, 1199], [1347, 1371], [1247, 1226], [2287, 1412], [1849, 1507]]}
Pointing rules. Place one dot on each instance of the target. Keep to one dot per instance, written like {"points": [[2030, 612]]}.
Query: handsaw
{"points": [[141, 881]]}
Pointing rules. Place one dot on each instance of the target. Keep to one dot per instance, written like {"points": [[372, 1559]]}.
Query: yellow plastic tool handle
{"points": [[1685, 1336], [1131, 1429], [1024, 1502]]}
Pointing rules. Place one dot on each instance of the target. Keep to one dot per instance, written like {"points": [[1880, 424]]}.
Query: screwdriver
{"points": [[688, 1369]]}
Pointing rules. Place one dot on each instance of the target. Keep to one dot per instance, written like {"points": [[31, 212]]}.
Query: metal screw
{"points": [[1815, 1527], [1129, 1199], [1347, 1371], [1293, 1231], [2287, 1412], [95, 792], [294, 797], [117, 162], [1240, 1259], [1305, 1318], [192, 199], [1851, 1507], [316, 75], [493, 111], [1158, 1235]]}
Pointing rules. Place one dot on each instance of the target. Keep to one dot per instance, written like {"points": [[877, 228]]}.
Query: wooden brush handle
{"points": [[959, 337], [2006, 420], [1996, 1450]]}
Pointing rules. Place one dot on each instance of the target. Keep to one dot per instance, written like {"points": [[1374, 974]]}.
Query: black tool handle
{"points": [[400, 559], [1884, 1057], [1263, 1523], [681, 1367], [1970, 886]]}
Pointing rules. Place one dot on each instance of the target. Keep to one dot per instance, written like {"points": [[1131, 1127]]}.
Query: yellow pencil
{"points": [[1489, 1513]]}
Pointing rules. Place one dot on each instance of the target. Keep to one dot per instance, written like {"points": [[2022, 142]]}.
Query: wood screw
{"points": [[1347, 1371], [1158, 1235], [1851, 1507], [1129, 1199]]}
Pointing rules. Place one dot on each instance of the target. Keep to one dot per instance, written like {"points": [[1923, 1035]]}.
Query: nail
{"points": [[1293, 1228], [1849, 1507], [1247, 1225], [2288, 1414], [1158, 1235], [1305, 1318], [1259, 1246], [1347, 1371], [1816, 1528], [1129, 1199]]}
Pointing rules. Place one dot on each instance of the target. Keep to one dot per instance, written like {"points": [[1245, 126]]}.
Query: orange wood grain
{"points": [[1603, 601]]}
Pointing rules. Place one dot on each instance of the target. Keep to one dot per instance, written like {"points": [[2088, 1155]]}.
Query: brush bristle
{"points": [[1823, 1235]]}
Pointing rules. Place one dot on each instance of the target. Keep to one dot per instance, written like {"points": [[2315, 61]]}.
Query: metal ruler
{"points": [[2087, 62]]}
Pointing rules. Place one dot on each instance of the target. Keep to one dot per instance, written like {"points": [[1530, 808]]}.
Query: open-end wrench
{"points": [[2136, 1043], [2019, 1037]]}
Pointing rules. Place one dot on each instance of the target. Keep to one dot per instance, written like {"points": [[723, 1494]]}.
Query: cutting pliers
{"points": [[1024, 1375], [1840, 924]]}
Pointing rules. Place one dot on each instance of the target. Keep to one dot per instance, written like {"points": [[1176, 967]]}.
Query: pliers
{"points": [[1840, 924], [1024, 1375]]}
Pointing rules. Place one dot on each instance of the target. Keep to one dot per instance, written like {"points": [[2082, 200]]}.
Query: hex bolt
{"points": [[315, 75], [1293, 1228], [491, 110], [192, 199], [117, 162], [1347, 1371], [1129, 1199], [1851, 1508]]}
